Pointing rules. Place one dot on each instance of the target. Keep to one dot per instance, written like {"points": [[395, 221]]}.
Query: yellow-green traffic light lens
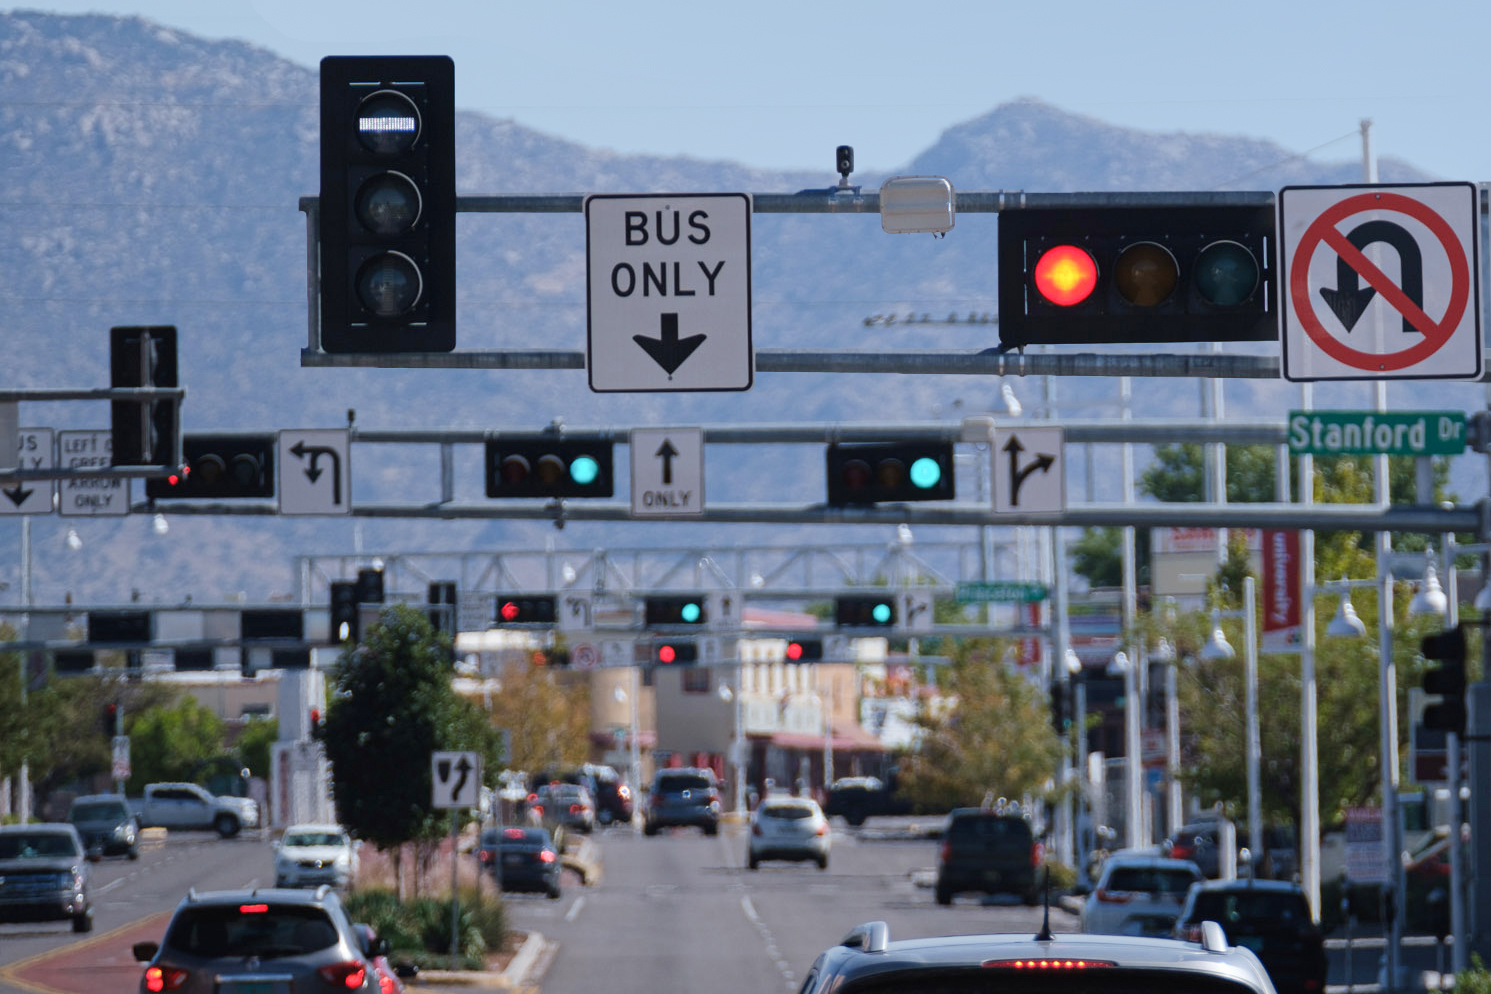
{"points": [[387, 123], [1226, 274], [389, 284], [1146, 274], [388, 204]]}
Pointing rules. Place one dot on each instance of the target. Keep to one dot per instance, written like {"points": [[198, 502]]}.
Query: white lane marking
{"points": [[574, 909], [769, 942]]}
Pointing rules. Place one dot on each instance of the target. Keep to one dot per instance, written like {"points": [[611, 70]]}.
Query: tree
{"points": [[392, 706], [256, 745], [548, 722], [1098, 556], [994, 736], [173, 742]]}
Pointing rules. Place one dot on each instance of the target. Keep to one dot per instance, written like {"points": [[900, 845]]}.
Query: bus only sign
{"points": [[1378, 433]]}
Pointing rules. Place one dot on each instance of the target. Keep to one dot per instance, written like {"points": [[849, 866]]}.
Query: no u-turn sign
{"points": [[1380, 282]]}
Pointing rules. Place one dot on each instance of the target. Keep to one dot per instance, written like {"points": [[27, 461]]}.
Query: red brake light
{"points": [[1037, 853], [1054, 963], [159, 979], [1066, 275], [546, 856], [484, 855], [385, 983], [822, 829], [348, 975], [252, 909], [512, 833], [1114, 896]]}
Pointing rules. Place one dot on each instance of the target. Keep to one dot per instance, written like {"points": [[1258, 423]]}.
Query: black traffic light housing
{"points": [[442, 602], [1061, 711], [804, 650], [1446, 680], [675, 652], [1162, 273], [143, 433], [370, 585], [550, 467], [109, 719], [674, 609], [345, 622], [119, 626], [218, 467], [281, 624], [388, 204], [525, 609], [865, 611], [866, 473]]}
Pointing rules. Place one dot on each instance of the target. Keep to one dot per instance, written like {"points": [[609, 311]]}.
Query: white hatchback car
{"points": [[791, 828], [1138, 895], [314, 854]]}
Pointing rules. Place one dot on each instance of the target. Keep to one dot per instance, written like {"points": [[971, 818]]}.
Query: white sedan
{"points": [[790, 828]]}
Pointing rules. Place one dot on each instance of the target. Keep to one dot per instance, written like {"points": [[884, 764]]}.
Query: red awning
{"points": [[853, 739]]}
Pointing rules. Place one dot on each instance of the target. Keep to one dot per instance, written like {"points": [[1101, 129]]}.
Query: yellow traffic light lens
{"points": [[551, 469], [387, 123], [1226, 274], [388, 204], [1066, 275], [1146, 274], [389, 284], [890, 473]]}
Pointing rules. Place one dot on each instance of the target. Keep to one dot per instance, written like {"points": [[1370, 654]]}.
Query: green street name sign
{"points": [[1003, 591], [1376, 433]]}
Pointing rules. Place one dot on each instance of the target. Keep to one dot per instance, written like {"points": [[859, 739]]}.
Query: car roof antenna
{"points": [[1044, 935]]}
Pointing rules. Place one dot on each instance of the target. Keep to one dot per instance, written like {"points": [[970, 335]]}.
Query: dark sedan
{"points": [[521, 859]]}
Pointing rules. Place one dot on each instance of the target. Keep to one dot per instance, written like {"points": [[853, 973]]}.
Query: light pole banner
{"points": [[1281, 594]]}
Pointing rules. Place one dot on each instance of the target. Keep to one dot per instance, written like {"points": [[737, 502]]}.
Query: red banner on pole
{"points": [[1281, 596]]}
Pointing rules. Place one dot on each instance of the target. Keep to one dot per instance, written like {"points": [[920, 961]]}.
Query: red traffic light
{"points": [[1066, 275], [666, 654]]}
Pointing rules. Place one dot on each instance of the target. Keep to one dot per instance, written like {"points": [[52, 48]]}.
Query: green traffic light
{"points": [[690, 612], [926, 473], [881, 613], [584, 469]]}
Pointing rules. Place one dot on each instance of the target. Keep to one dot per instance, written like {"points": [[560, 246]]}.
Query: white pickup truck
{"points": [[188, 806]]}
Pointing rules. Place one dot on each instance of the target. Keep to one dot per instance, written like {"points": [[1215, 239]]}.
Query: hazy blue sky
{"points": [[779, 84]]}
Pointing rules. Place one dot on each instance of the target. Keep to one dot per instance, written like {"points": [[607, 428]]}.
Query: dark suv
{"points": [[44, 875], [1270, 917], [989, 851], [260, 940], [683, 796]]}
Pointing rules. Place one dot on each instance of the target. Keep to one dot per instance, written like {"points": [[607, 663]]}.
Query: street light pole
{"points": [[1255, 744]]}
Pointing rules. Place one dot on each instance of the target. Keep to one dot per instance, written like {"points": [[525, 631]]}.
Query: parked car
{"points": [[390, 975], [855, 799], [867, 961], [270, 940], [1270, 917], [683, 796], [1198, 842], [566, 804], [521, 859], [107, 825], [44, 875], [313, 854], [1138, 894], [991, 851], [790, 828]]}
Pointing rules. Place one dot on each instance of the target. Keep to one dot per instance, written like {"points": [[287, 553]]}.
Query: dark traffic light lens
{"points": [[890, 473], [1066, 275], [210, 470], [551, 470], [1226, 274], [1146, 274], [389, 284], [243, 470], [856, 474], [514, 469], [387, 123], [388, 204]]}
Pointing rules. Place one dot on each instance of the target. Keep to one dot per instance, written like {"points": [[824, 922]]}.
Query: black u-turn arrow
{"points": [[1349, 299]]}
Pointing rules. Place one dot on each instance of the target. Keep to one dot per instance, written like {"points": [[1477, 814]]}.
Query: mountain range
{"points": [[153, 177]]}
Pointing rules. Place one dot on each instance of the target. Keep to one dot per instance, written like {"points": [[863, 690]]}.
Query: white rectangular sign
{"points": [[669, 292], [87, 498], [315, 471], [1029, 471], [667, 472], [31, 496], [455, 779]]}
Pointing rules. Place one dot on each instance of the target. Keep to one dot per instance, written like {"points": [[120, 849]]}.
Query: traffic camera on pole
{"points": [[1446, 680], [892, 471], [1097, 275], [388, 204], [219, 467], [557, 467]]}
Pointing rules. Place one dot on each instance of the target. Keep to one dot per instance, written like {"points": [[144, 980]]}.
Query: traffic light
{"points": [[526, 609], [388, 204], [675, 609], [804, 650], [890, 471], [119, 626], [72, 661], [109, 719], [345, 625], [674, 652], [864, 611], [143, 434], [1096, 275], [557, 467], [285, 624], [217, 467], [1061, 715], [193, 659], [370, 585], [1447, 680], [442, 601]]}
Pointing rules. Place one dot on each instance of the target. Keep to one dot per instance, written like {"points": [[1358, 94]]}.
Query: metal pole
{"points": [[1388, 707], [1460, 952], [1133, 771], [1255, 746], [636, 749], [455, 900], [1309, 821], [1176, 813]]}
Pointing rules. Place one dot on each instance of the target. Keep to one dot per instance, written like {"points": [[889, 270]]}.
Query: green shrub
{"points": [[1476, 980], [420, 929]]}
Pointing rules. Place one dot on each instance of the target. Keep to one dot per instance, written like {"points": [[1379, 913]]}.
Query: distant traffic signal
{"points": [[217, 467], [144, 433], [674, 609], [557, 467], [673, 652], [889, 471], [526, 609], [1446, 680], [119, 626], [285, 624], [864, 611], [109, 719], [442, 602], [345, 623], [388, 204], [803, 650], [1096, 275], [370, 585]]}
